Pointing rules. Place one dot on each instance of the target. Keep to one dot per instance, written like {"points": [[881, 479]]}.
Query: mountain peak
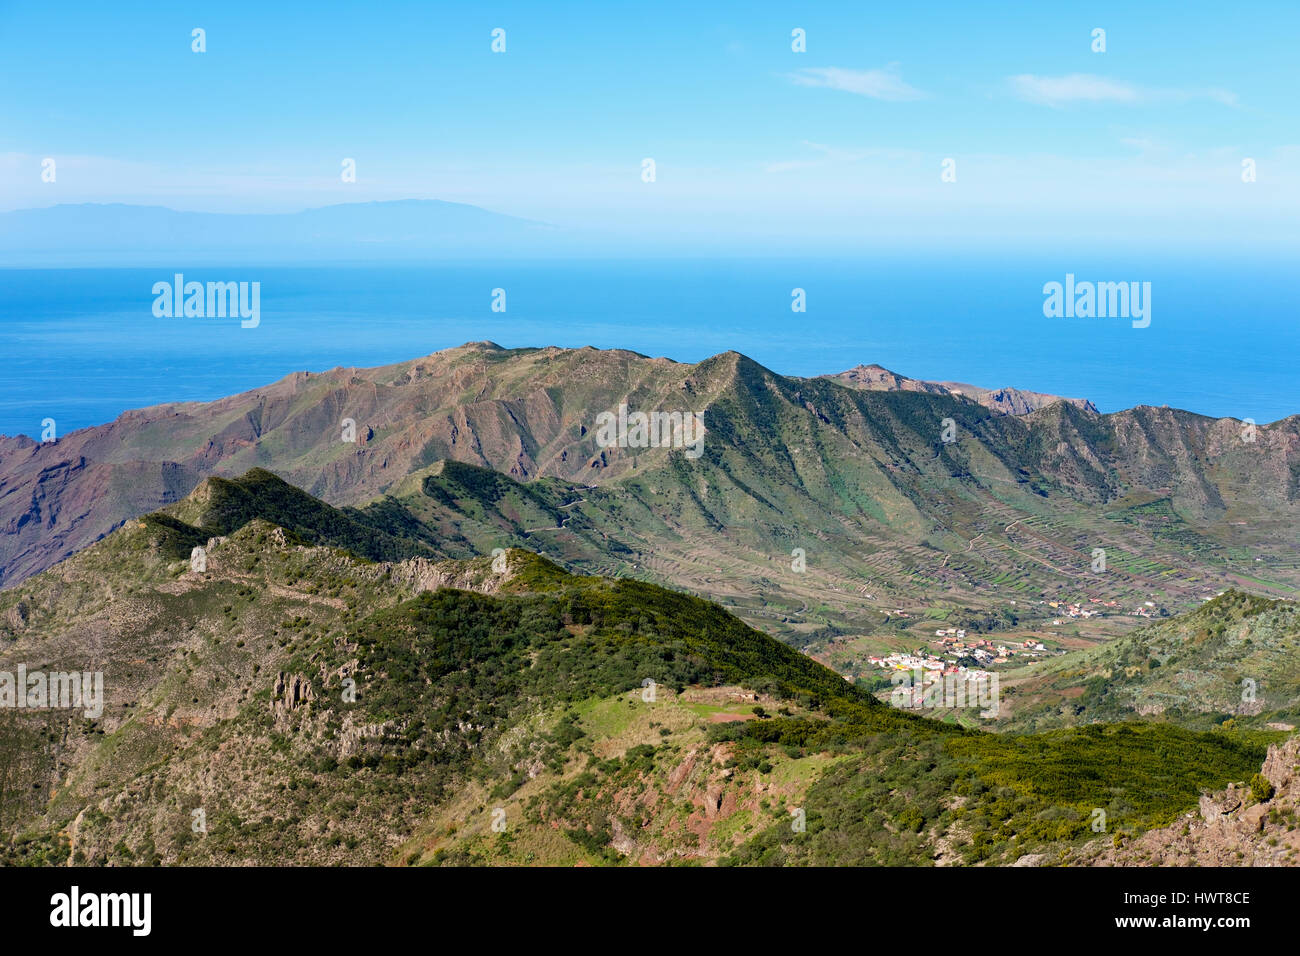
{"points": [[1004, 401]]}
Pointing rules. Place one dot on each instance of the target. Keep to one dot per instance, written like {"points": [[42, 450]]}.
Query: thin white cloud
{"points": [[1077, 87], [1088, 88], [883, 84]]}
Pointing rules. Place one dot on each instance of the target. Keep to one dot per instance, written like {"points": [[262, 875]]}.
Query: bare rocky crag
{"points": [[1005, 401]]}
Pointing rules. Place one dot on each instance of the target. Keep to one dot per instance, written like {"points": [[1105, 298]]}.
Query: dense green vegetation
{"points": [[450, 659], [994, 797]]}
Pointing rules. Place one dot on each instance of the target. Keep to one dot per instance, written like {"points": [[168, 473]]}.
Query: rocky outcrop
{"points": [[423, 574], [291, 691], [17, 616], [1221, 807]]}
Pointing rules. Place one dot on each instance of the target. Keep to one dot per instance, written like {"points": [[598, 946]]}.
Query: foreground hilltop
{"points": [[307, 693], [918, 501]]}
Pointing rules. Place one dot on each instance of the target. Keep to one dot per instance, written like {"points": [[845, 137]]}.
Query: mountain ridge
{"points": [[863, 480]]}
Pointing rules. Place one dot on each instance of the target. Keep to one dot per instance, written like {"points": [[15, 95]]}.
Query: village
{"points": [[955, 673], [1145, 609], [960, 655]]}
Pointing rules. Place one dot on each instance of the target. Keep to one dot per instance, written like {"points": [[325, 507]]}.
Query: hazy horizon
{"points": [[842, 144]]}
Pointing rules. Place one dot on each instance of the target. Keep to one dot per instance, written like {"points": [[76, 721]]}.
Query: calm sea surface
{"points": [[82, 345]]}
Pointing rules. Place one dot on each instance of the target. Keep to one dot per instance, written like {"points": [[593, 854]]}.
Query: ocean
{"points": [[80, 346]]}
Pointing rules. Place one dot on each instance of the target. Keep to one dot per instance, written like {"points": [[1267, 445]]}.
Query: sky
{"points": [[756, 147]]}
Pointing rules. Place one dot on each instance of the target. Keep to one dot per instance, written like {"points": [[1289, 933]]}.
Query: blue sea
{"points": [[82, 345]]}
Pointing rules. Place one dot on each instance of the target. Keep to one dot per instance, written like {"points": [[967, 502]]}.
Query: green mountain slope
{"points": [[887, 515], [220, 506], [295, 702], [1236, 657]]}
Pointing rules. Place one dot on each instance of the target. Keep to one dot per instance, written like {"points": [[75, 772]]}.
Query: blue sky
{"points": [[756, 147]]}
